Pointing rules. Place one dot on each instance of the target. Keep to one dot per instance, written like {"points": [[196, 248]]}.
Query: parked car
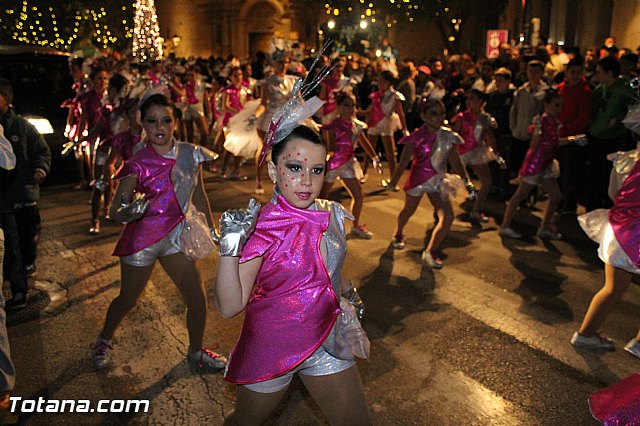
{"points": [[41, 83]]}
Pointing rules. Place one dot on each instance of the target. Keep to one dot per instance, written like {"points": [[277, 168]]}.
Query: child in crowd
{"points": [[475, 126], [540, 168], [287, 280], [430, 147], [386, 117], [618, 232], [345, 132], [158, 187]]}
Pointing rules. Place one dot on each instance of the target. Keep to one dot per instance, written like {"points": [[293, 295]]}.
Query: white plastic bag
{"points": [[195, 238]]}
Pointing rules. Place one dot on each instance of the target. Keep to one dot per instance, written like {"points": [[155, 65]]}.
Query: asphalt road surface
{"points": [[484, 341]]}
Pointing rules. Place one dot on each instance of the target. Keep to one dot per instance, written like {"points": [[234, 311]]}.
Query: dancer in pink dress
{"points": [[159, 186], [386, 117], [194, 105], [96, 133], [476, 128], [430, 147], [346, 131], [275, 91], [72, 130], [234, 97], [282, 266], [335, 83], [540, 168], [618, 232]]}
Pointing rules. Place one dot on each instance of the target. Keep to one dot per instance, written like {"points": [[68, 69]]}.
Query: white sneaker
{"points": [[398, 242], [431, 261], [508, 232], [633, 347], [361, 231], [206, 359], [592, 342], [100, 353]]}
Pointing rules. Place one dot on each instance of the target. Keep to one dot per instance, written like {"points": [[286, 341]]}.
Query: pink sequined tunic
{"points": [[332, 85], [430, 154], [536, 162], [168, 182], [624, 216], [237, 96], [293, 308], [346, 134], [124, 143], [384, 119], [617, 231]]}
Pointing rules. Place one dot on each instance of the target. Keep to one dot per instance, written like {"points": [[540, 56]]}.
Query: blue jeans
{"points": [[7, 371]]}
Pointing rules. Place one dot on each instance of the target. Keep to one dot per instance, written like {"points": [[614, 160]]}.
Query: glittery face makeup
{"points": [[299, 172], [159, 125]]}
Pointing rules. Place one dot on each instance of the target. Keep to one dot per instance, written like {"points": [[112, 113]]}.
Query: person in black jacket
{"points": [[498, 105], [19, 213]]}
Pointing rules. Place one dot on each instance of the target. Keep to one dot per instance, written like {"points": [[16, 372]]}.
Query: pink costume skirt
{"points": [[552, 171], [349, 170], [597, 227]]}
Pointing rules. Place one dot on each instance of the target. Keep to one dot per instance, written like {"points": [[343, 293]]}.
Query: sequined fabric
{"points": [[618, 404], [618, 230], [346, 136], [124, 142], [383, 105], [168, 183], [277, 90], [624, 216], [294, 305], [535, 162], [237, 98], [430, 153], [330, 85]]}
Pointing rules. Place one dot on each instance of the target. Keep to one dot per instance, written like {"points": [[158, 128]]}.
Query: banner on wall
{"points": [[494, 39]]}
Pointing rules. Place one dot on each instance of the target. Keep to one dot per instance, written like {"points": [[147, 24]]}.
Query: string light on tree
{"points": [[146, 33], [60, 25]]}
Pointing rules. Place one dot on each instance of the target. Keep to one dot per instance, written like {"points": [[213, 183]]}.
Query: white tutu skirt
{"points": [[387, 126], [446, 184], [479, 156], [597, 227], [551, 172], [349, 170], [241, 137]]}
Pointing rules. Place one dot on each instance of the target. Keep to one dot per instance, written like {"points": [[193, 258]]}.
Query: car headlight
{"points": [[42, 125]]}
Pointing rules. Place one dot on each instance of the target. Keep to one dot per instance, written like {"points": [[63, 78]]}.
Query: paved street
{"points": [[484, 341]]}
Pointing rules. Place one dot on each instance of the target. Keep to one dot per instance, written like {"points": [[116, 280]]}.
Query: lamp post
{"points": [[176, 40]]}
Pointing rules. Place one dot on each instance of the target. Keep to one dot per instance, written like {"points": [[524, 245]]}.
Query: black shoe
{"points": [[19, 301]]}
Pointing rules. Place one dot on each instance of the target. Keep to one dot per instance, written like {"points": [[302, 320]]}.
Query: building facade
{"points": [[242, 27]]}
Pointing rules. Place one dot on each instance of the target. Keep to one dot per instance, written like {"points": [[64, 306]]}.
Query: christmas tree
{"points": [[147, 44]]}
